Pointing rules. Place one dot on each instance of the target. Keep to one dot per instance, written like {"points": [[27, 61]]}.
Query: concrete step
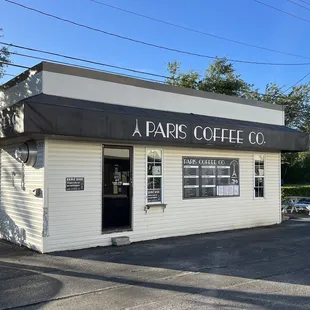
{"points": [[119, 241]]}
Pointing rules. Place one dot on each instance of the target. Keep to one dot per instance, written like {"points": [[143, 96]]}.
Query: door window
{"points": [[116, 188]]}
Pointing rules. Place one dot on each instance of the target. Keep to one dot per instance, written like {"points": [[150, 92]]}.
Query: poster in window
{"points": [[208, 191], [191, 170], [210, 177], [154, 195], [208, 181], [156, 170], [191, 191]]}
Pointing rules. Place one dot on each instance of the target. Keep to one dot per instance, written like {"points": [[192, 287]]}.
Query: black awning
{"points": [[52, 115]]}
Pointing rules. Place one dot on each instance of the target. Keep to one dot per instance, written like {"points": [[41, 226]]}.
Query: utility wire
{"points": [[8, 74], [274, 8], [53, 61], [304, 2], [298, 4], [97, 63], [79, 66], [81, 59], [162, 82], [197, 31], [7, 63], [152, 44], [296, 83], [132, 76], [152, 80]]}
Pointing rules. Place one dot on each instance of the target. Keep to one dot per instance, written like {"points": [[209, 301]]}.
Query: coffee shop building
{"points": [[88, 156]]}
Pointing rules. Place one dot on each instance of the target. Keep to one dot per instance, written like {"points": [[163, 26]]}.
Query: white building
{"points": [[87, 156]]}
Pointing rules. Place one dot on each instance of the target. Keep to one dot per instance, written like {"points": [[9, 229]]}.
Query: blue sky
{"points": [[243, 20]]}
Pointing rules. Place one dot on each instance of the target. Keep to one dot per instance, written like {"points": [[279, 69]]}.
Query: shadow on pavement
{"points": [[227, 253], [25, 279], [52, 286], [277, 254]]}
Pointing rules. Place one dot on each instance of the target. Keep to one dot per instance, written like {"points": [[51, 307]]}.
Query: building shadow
{"points": [[47, 289], [270, 255], [17, 201], [9, 230], [241, 298], [251, 254]]}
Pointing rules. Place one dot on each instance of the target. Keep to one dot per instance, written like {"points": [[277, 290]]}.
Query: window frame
{"points": [[161, 176], [263, 156]]}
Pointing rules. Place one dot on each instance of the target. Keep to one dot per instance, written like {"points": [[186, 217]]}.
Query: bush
{"points": [[295, 190]]}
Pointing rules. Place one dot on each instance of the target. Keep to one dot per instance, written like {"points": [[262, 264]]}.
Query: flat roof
{"points": [[119, 79]]}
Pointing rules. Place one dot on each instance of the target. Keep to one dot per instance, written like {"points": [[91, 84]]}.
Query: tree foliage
{"points": [[4, 57], [221, 77], [295, 103]]}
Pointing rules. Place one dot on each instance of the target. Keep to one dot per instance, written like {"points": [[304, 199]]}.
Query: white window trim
{"points": [[162, 176], [254, 176]]}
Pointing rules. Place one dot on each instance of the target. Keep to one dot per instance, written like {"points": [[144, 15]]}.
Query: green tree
{"points": [[4, 58], [220, 77], [297, 115], [295, 103]]}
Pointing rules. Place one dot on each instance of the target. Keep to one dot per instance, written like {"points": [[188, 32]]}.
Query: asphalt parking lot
{"points": [[262, 268]]}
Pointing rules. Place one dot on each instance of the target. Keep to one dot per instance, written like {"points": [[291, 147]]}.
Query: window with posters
{"points": [[154, 176], [210, 177], [259, 176]]}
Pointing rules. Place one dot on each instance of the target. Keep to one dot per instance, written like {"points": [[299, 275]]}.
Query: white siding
{"points": [[190, 216], [102, 91], [75, 217], [21, 213]]}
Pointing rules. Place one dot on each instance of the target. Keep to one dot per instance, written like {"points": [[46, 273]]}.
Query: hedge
{"points": [[295, 190]]}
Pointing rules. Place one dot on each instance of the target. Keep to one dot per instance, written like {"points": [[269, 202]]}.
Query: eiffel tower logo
{"points": [[137, 131], [234, 174]]}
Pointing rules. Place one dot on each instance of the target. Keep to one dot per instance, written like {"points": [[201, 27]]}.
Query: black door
{"points": [[116, 177]]}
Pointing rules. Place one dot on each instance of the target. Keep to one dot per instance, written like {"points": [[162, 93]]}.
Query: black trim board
{"points": [[52, 115]]}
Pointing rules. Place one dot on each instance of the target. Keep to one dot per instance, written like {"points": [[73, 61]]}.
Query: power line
{"points": [[296, 82], [151, 44], [304, 2], [7, 63], [197, 31], [250, 92], [84, 67], [79, 66], [75, 58], [91, 68], [93, 62], [81, 59], [8, 74], [300, 5], [274, 8]]}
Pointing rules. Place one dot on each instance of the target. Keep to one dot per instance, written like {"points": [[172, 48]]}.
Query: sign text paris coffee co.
{"points": [[198, 133]]}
